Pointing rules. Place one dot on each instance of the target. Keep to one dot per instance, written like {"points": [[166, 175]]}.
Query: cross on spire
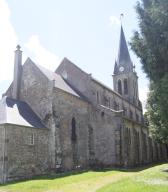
{"points": [[18, 47], [121, 17]]}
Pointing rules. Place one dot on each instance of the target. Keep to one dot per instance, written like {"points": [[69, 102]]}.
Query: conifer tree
{"points": [[150, 44]]}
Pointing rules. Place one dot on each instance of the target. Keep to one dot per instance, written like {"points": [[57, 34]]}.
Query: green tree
{"points": [[150, 44], [157, 112]]}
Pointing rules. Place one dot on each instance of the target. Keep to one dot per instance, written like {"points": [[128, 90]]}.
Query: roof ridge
{"points": [[66, 59], [59, 80]]}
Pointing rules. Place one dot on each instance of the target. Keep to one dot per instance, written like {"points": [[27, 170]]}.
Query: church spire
{"points": [[124, 63], [125, 80]]}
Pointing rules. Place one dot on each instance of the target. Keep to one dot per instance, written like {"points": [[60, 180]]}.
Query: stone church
{"points": [[67, 120]]}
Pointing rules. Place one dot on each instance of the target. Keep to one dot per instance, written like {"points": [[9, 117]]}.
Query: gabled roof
{"points": [[19, 113], [66, 61], [59, 82], [124, 59]]}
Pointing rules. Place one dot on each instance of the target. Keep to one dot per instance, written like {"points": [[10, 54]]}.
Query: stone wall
{"points": [[133, 95], [95, 131], [2, 154], [70, 153], [36, 90], [104, 125], [98, 93], [138, 148], [104, 96], [75, 76], [23, 159], [106, 132]]}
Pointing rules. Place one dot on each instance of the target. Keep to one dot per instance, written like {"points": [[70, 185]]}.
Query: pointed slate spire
{"points": [[124, 63]]}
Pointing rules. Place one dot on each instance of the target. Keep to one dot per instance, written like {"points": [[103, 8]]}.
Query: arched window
{"points": [[73, 133], [116, 106], [98, 97], [125, 87], [137, 117], [119, 87], [124, 111], [129, 135], [131, 114]]}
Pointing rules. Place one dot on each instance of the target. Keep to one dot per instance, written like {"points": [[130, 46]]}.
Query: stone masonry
{"points": [[67, 120]]}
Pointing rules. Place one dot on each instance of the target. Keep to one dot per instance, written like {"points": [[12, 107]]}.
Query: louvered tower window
{"points": [[119, 87], [125, 87]]}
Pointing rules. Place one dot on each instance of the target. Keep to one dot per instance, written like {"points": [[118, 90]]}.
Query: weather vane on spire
{"points": [[121, 17]]}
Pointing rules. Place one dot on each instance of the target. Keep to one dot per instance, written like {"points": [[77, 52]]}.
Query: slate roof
{"points": [[58, 80], [124, 59], [19, 113]]}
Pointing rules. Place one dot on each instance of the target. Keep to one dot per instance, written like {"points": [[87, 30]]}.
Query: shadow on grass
{"points": [[130, 169], [78, 172], [46, 177]]}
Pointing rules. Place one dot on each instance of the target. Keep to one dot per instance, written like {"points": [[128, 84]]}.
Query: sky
{"points": [[84, 31]]}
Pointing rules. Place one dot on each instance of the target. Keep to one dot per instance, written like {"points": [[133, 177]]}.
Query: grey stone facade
{"points": [[68, 120], [19, 158]]}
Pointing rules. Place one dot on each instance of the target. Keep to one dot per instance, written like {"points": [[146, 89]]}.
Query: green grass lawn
{"points": [[153, 179]]}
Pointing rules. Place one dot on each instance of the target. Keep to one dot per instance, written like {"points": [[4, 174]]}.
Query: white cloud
{"points": [[8, 41], [114, 21], [40, 54]]}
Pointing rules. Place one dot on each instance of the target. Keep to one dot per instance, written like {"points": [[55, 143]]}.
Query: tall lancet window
{"points": [[73, 129], [119, 87], [125, 87]]}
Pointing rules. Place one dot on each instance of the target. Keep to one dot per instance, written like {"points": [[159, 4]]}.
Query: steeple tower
{"points": [[125, 79], [123, 63]]}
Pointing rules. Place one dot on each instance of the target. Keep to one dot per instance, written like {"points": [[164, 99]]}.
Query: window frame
{"points": [[119, 84]]}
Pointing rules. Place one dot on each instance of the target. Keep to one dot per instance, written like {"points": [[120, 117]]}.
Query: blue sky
{"points": [[84, 31]]}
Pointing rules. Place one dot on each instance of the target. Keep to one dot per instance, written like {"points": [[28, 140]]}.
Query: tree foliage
{"points": [[150, 44], [157, 112]]}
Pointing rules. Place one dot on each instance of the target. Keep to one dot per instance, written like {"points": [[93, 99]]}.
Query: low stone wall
{"points": [[2, 153], [25, 156], [137, 148]]}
